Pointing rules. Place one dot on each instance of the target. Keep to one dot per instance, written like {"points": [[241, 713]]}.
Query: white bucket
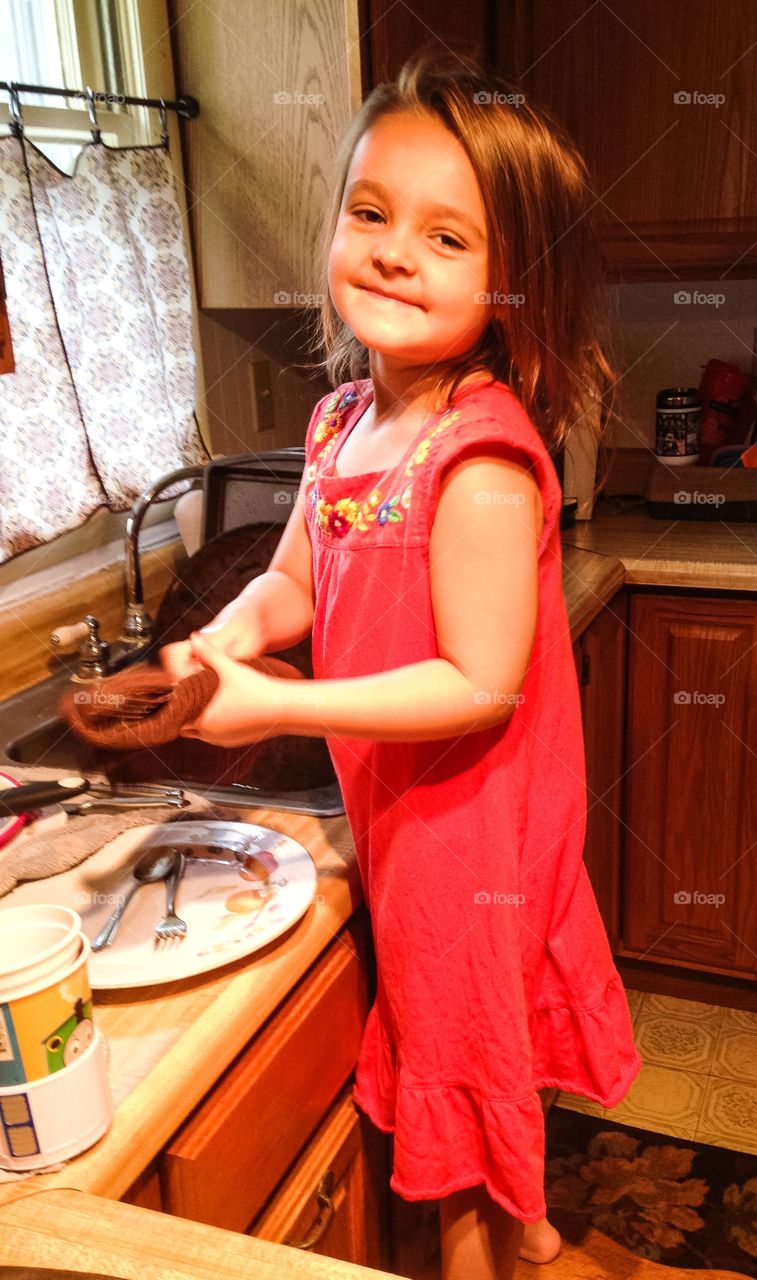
{"points": [[36, 942], [53, 1119]]}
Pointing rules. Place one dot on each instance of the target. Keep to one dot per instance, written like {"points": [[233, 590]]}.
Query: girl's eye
{"points": [[450, 242], [368, 214], [372, 217]]}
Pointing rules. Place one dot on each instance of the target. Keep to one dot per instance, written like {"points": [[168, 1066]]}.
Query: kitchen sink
{"points": [[33, 734]]}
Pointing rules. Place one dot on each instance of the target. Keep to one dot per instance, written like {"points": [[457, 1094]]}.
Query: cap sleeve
{"points": [[504, 430]]}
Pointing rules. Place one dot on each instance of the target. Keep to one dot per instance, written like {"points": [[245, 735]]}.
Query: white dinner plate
{"points": [[228, 915]]}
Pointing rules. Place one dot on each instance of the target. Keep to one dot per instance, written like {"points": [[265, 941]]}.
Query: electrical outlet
{"points": [[262, 394]]}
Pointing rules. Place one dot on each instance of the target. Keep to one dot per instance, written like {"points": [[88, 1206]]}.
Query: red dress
{"points": [[495, 976]]}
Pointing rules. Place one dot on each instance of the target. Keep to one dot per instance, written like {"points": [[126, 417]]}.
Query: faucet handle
{"points": [[93, 653], [64, 638]]}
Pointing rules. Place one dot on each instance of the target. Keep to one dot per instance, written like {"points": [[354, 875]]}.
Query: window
{"points": [[116, 47]]}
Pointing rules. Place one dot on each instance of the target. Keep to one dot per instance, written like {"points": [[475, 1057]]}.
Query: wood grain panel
{"points": [[601, 654], [230, 1156], [356, 1154], [673, 180], [124, 1240], [260, 169], [691, 782]]}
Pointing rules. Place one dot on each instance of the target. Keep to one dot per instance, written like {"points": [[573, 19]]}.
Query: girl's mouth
{"points": [[389, 297]]}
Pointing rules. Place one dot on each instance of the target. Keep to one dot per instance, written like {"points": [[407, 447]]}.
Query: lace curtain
{"points": [[102, 400]]}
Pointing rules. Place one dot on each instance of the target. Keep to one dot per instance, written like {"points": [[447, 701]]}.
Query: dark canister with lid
{"points": [[679, 414]]}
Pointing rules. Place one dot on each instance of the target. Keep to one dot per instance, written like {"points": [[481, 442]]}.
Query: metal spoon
{"points": [[151, 868]]}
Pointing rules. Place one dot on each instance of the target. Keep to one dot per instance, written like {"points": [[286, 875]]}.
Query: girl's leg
{"points": [[541, 1241], [480, 1241]]}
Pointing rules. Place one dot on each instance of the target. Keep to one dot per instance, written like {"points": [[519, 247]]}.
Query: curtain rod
{"points": [[187, 107]]}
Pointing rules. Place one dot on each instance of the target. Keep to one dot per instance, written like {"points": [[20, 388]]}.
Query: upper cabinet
{"points": [[392, 32], [660, 99], [277, 83]]}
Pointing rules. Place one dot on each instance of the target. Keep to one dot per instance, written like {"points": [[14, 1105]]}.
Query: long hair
{"points": [[548, 333]]}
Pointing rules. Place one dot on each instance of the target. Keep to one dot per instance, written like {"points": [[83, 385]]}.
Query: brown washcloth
{"points": [[94, 711], [97, 712]]}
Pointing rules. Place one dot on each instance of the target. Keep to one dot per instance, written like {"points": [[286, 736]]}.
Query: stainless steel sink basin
{"points": [[32, 733]]}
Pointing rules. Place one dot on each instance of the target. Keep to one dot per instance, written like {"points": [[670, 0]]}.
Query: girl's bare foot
{"points": [[541, 1242]]}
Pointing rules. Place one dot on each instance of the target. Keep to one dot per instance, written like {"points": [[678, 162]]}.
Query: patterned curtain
{"points": [[102, 401]]}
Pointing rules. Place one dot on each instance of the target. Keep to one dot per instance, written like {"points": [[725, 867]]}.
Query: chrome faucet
{"points": [[96, 658], [137, 629]]}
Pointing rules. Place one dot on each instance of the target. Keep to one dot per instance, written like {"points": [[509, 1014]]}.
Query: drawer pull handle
{"points": [[323, 1194]]}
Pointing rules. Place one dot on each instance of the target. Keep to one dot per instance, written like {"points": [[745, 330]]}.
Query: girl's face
{"points": [[408, 262]]}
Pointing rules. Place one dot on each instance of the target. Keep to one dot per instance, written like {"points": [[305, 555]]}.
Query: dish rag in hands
{"points": [[139, 707], [143, 707]]}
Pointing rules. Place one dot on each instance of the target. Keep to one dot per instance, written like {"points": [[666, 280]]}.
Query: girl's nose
{"points": [[393, 250]]}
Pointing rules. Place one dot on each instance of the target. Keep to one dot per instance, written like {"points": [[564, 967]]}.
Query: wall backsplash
{"points": [[664, 343], [232, 342]]}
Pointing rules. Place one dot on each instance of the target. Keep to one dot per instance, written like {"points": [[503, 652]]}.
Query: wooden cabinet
{"points": [[392, 33], [690, 817], [227, 1161], [334, 1200], [278, 1149], [660, 100], [600, 654], [277, 83]]}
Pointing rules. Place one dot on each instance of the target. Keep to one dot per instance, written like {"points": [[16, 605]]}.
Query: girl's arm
{"points": [[483, 564], [273, 611]]}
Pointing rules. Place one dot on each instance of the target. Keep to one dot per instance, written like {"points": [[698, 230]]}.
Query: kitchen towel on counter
{"points": [[114, 249], [58, 846], [48, 481]]}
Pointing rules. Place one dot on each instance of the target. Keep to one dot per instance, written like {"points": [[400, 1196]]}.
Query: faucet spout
{"points": [[137, 629]]}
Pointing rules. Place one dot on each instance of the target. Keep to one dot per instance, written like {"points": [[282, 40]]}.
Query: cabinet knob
{"points": [[324, 1196]]}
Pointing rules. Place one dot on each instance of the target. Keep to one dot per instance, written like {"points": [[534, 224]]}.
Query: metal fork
{"points": [[171, 927]]}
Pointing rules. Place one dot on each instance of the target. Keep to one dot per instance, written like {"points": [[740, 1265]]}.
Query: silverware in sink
{"points": [[151, 868], [95, 804]]}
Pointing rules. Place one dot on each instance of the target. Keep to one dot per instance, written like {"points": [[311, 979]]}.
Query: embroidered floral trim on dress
{"points": [[347, 513]]}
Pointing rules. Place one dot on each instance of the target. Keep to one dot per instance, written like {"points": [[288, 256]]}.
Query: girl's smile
{"points": [[408, 262]]}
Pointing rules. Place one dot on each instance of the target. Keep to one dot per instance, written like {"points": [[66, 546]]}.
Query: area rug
{"points": [[680, 1203]]}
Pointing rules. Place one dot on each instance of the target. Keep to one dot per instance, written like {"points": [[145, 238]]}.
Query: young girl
{"points": [[425, 557]]}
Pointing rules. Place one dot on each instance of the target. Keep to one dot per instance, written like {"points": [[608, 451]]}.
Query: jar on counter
{"points": [[679, 415]]}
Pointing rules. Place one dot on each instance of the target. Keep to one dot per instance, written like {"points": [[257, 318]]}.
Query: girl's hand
{"points": [[233, 637], [245, 707], [178, 660]]}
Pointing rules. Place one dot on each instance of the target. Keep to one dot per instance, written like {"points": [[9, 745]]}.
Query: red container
{"points": [[728, 407]]}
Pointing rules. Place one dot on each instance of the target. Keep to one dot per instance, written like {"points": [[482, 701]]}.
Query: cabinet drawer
{"points": [[334, 1200], [226, 1161]]}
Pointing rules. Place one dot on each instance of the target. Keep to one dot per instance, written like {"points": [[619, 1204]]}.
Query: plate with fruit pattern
{"points": [[243, 886]]}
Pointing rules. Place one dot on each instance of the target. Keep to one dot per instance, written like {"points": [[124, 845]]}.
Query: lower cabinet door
{"points": [[224, 1164], [334, 1200]]}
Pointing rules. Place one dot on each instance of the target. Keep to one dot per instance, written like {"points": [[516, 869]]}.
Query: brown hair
{"points": [[551, 347]]}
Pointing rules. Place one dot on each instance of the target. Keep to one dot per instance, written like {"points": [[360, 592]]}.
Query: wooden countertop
{"points": [[65, 1229], [619, 547], [184, 1036]]}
